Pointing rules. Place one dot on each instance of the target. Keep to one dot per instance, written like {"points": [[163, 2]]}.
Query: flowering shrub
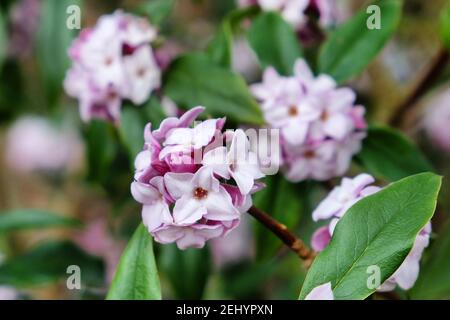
{"points": [[220, 154]]}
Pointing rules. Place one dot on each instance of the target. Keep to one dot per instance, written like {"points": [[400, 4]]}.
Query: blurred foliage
{"points": [[33, 85]]}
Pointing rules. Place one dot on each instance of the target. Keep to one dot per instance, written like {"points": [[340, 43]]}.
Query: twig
{"points": [[427, 81], [282, 232], [389, 295]]}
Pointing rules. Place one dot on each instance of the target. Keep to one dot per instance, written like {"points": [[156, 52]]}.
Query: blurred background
{"points": [[53, 163]]}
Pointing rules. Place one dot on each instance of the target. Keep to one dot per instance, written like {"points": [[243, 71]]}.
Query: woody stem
{"points": [[282, 232]]}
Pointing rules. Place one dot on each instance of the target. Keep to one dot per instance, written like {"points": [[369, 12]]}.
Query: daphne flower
{"points": [[239, 162], [342, 197], [187, 139], [294, 11], [154, 198], [336, 204], [193, 236], [183, 199], [112, 61], [139, 73], [322, 292], [320, 126], [198, 196]]}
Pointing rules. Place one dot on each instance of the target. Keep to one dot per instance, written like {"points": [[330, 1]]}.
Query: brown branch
{"points": [[389, 295], [425, 83], [282, 232]]}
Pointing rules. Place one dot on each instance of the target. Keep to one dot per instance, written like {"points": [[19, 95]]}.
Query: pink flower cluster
{"points": [[336, 204], [294, 11], [320, 127], [110, 62], [192, 187]]}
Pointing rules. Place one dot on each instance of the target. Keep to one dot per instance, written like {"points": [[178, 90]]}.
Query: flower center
{"points": [[141, 72], [200, 193], [324, 116], [108, 61], [293, 112], [309, 154]]}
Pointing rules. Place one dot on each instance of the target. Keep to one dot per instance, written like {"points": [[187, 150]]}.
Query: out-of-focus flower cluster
{"points": [[336, 204], [192, 187], [295, 11], [437, 119], [35, 144], [320, 127], [23, 22], [111, 62]]}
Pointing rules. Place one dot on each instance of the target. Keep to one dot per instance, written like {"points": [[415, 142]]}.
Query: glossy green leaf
{"points": [[387, 153], [136, 276], [351, 46], [187, 270], [48, 263], [24, 219], [53, 40], [378, 230], [274, 42], [434, 279], [156, 10], [284, 201], [194, 80]]}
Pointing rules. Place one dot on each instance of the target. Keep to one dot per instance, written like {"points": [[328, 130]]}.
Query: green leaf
{"points": [[350, 47], [445, 26], [274, 42], [53, 41], [434, 279], [378, 230], [156, 10], [154, 112], [187, 270], [194, 80], [221, 47], [132, 130], [387, 153], [136, 276], [48, 263], [23, 219], [101, 149], [284, 201]]}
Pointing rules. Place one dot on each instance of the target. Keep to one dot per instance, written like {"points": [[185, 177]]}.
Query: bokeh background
{"points": [[52, 162]]}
